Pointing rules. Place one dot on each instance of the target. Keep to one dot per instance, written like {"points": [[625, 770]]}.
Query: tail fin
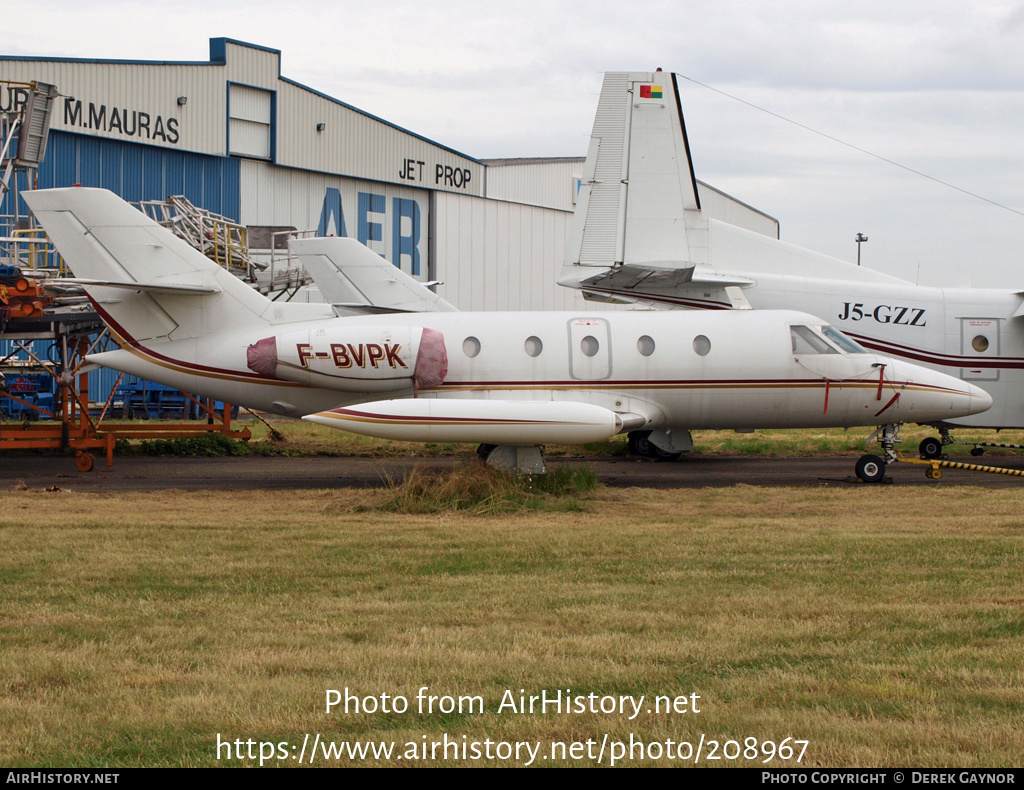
{"points": [[351, 275], [638, 202], [145, 282], [639, 233]]}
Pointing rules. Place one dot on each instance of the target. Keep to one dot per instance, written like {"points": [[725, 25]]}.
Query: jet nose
{"points": [[930, 395], [961, 397]]}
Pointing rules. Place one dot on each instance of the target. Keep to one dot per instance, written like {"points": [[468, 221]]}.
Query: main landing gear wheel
{"points": [[870, 469], [640, 444], [930, 447]]}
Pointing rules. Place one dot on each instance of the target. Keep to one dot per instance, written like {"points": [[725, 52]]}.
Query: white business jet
{"points": [[641, 235], [508, 381]]}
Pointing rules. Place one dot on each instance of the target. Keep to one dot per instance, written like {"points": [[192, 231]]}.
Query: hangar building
{"points": [[237, 138]]}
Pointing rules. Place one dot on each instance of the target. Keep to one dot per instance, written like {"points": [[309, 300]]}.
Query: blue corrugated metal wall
{"points": [[135, 172]]}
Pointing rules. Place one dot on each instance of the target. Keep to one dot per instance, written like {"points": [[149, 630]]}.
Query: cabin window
{"points": [[702, 345], [645, 345], [534, 346], [589, 345], [470, 347], [807, 341], [980, 344]]}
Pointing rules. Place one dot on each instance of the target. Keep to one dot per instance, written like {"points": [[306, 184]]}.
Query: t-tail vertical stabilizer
{"points": [[353, 277], [145, 282]]}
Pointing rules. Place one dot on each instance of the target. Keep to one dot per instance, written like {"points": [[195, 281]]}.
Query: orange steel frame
{"points": [[72, 425]]}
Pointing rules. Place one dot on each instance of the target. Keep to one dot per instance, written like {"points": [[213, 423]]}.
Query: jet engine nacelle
{"points": [[486, 421], [358, 358]]}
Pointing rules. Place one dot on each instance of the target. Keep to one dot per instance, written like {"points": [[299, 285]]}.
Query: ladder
{"points": [[30, 125], [219, 238]]}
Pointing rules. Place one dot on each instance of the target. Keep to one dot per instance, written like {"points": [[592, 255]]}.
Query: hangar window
{"points": [[534, 346], [470, 347], [702, 345], [645, 345], [589, 345]]}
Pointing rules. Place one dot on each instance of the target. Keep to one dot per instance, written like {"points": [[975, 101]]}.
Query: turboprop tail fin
{"points": [[639, 231], [638, 201]]}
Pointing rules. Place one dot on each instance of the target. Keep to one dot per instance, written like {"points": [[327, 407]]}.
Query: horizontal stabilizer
{"points": [[159, 288], [721, 280], [642, 278], [640, 282], [476, 421], [366, 309], [352, 276]]}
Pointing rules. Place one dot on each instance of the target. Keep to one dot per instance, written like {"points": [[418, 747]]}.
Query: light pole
{"points": [[860, 238]]}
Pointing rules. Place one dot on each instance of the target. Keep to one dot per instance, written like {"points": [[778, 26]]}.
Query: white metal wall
{"points": [[381, 215], [496, 255], [539, 182], [360, 145]]}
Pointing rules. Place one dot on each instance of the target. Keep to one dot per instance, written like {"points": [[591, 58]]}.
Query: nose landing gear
{"points": [[871, 468]]}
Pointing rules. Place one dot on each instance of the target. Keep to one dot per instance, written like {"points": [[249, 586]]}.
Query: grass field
{"points": [[882, 627]]}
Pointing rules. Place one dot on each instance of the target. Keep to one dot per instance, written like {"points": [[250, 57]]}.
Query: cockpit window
{"points": [[807, 341], [841, 340]]}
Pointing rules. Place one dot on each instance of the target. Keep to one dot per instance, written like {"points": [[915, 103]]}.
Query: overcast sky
{"points": [[936, 85]]}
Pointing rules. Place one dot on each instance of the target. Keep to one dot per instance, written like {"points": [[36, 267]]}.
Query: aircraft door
{"points": [[590, 355], [979, 339]]}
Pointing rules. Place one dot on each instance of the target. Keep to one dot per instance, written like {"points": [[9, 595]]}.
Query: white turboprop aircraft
{"points": [[640, 235], [510, 381]]}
